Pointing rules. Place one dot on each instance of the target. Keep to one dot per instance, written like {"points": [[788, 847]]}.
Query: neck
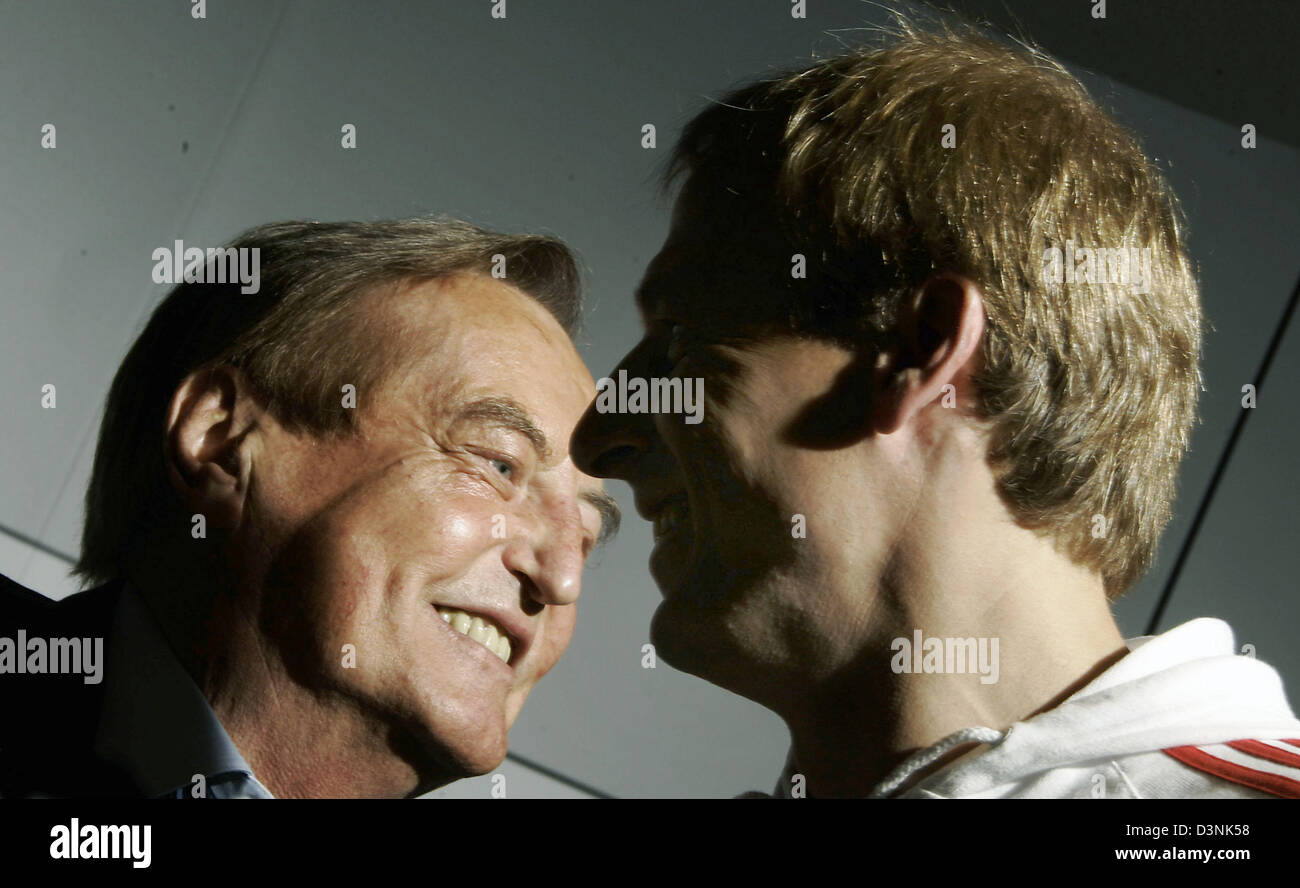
{"points": [[300, 742], [853, 731], [1038, 627]]}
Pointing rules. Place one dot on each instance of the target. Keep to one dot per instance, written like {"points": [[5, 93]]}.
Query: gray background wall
{"points": [[172, 128]]}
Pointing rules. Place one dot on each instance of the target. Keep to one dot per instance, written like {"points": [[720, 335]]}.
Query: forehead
{"points": [[471, 336], [722, 259]]}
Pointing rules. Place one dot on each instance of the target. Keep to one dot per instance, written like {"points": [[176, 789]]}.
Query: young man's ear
{"points": [[940, 328], [211, 414]]}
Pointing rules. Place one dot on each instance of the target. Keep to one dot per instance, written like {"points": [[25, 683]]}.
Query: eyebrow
{"points": [[508, 413], [512, 415]]}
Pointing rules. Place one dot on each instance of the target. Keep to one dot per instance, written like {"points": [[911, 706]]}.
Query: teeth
{"points": [[483, 631], [478, 630]]}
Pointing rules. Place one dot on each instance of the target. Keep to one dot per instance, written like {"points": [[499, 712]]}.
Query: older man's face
{"points": [[456, 509]]}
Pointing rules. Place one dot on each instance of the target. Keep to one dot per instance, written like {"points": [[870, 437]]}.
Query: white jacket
{"points": [[1181, 716]]}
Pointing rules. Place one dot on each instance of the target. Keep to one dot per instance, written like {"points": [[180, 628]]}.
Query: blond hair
{"points": [[1088, 389]]}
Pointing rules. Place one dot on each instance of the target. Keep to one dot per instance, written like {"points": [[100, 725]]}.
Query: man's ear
{"points": [[211, 415], [940, 328]]}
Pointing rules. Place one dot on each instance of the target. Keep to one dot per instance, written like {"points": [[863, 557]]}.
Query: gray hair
{"points": [[292, 340]]}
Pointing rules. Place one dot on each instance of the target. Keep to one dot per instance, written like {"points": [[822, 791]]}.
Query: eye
{"points": [[503, 468]]}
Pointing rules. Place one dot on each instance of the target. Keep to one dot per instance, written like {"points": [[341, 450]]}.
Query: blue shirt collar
{"points": [[156, 723]]}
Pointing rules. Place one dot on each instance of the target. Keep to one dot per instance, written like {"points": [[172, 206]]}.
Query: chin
{"points": [[439, 754], [685, 638], [694, 630], [482, 754], [438, 766]]}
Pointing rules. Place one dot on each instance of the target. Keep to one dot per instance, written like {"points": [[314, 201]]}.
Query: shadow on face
{"points": [[731, 496]]}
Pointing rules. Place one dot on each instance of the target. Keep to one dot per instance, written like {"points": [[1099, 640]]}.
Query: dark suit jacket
{"points": [[48, 723]]}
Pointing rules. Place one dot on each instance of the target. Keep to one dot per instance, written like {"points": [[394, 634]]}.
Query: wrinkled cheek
{"points": [[459, 531], [418, 540], [313, 593]]}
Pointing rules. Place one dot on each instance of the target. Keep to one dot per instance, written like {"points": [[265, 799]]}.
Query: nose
{"points": [[609, 444], [547, 551]]}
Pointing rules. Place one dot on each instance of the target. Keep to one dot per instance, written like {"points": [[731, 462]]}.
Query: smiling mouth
{"points": [[480, 629]]}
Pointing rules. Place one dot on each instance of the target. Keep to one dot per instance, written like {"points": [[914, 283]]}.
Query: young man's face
{"points": [[457, 498], [763, 512]]}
